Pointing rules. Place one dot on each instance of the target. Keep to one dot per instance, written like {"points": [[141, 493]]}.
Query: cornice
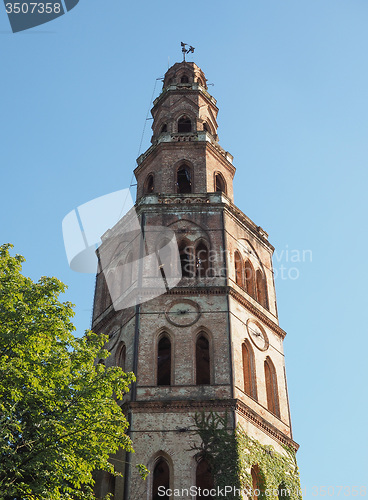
{"points": [[197, 139], [222, 156], [214, 200], [234, 405], [250, 415], [257, 312], [103, 318], [193, 89], [107, 316], [180, 405], [193, 290], [238, 216], [205, 290]]}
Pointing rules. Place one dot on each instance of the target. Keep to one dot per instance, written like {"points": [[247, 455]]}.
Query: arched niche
{"points": [[184, 125], [184, 179], [220, 184], [149, 184], [164, 360], [238, 269], [120, 356], [204, 477], [202, 259], [203, 360], [160, 479], [271, 387], [249, 370]]}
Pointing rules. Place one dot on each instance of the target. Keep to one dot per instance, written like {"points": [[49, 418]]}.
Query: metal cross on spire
{"points": [[186, 50]]}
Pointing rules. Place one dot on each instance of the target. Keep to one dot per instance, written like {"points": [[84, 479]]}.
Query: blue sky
{"points": [[291, 81]]}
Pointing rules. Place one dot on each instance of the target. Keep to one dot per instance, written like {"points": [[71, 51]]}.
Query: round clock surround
{"points": [[257, 335], [183, 312]]}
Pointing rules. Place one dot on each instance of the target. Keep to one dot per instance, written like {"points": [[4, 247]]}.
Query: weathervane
{"points": [[185, 50]]}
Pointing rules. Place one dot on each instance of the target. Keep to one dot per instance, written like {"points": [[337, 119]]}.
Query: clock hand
{"points": [[257, 334]]}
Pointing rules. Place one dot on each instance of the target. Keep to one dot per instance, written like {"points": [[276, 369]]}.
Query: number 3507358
{"points": [[33, 8]]}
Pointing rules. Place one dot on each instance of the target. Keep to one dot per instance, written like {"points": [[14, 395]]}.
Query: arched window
{"points": [[238, 269], [126, 275], [164, 361], [105, 295], [183, 180], [257, 483], [205, 127], [283, 492], [220, 185], [184, 125], [202, 260], [186, 261], [249, 278], [184, 79], [111, 485], [164, 255], [261, 286], [120, 356], [204, 478], [161, 477], [250, 385], [163, 128], [149, 184], [107, 484], [271, 387], [202, 361]]}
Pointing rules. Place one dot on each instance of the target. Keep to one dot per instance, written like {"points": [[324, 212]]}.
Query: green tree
{"points": [[59, 415]]}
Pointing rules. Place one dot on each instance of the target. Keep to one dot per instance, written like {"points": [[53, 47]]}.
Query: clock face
{"points": [[183, 313], [257, 335]]}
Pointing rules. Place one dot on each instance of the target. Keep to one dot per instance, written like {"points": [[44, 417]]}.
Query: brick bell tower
{"points": [[212, 343]]}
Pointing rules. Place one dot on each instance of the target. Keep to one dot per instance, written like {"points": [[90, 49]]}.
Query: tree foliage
{"points": [[59, 412]]}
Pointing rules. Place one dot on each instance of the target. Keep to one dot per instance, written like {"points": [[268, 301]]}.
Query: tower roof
{"points": [[185, 73]]}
